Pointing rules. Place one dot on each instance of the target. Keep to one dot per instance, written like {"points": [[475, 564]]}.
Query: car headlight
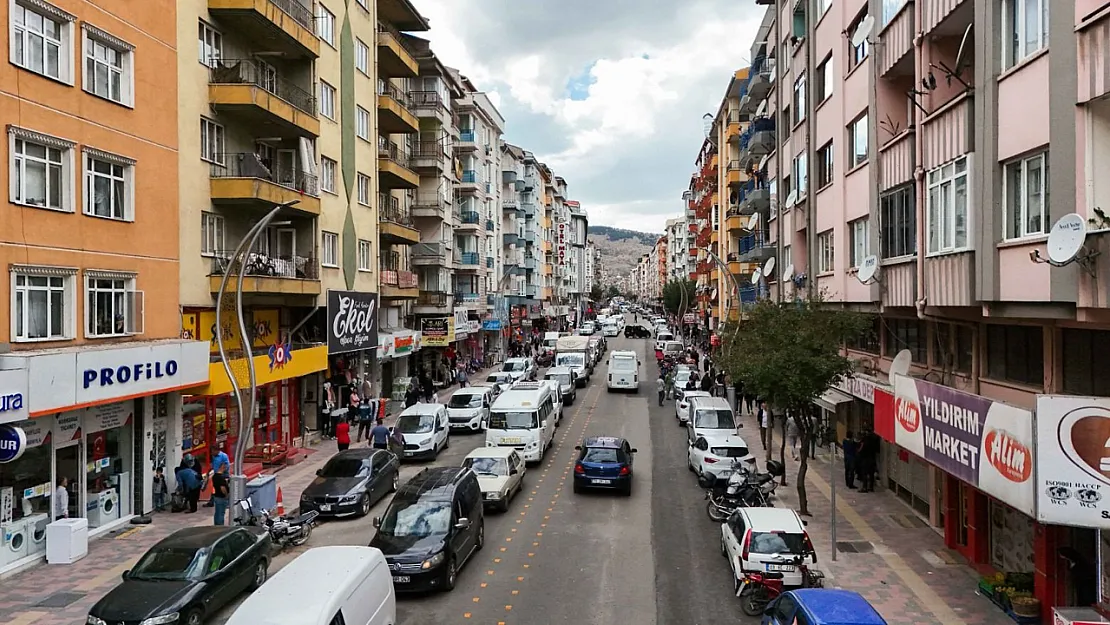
{"points": [[494, 496], [159, 620], [432, 562], [349, 498], [94, 620]]}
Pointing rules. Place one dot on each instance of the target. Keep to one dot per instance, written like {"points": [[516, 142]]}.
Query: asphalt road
{"points": [[557, 557]]}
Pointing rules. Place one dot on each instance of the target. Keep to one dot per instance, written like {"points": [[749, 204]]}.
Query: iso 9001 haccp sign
{"points": [[1073, 460], [13, 442]]}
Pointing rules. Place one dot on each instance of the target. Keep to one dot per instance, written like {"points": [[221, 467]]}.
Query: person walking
{"points": [[764, 418], [792, 434], [343, 434], [219, 461], [661, 384], [61, 499], [412, 397], [221, 489], [379, 436], [850, 447], [365, 419], [463, 378]]}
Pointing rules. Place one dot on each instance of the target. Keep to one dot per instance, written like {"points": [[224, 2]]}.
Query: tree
{"points": [[596, 292], [788, 354], [673, 302], [613, 291]]}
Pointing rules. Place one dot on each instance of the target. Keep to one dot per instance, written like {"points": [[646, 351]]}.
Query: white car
{"points": [[501, 381], [520, 368], [500, 472], [468, 407], [682, 405], [713, 454], [761, 539], [610, 329], [426, 429], [681, 377], [587, 329]]}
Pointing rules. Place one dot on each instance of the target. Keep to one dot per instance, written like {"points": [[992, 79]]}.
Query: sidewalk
{"points": [[884, 550]]}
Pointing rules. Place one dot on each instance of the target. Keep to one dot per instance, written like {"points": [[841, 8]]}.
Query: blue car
{"points": [[821, 606], [604, 463]]}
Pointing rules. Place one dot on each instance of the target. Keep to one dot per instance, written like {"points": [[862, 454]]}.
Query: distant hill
{"points": [[620, 234], [620, 249]]}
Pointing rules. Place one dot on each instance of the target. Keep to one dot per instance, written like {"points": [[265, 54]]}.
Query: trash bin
{"points": [[262, 493]]}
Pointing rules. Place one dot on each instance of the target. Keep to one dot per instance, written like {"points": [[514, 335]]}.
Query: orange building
{"points": [[90, 241]]}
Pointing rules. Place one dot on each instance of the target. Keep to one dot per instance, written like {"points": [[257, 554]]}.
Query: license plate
{"points": [[511, 441], [601, 481], [401, 579], [408, 454], [780, 568], [325, 507]]}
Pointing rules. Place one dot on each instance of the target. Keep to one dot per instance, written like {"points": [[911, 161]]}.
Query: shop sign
{"points": [[473, 325], [13, 442], [403, 345], [352, 321], [67, 426], [437, 331], [13, 389], [985, 443], [37, 430], [1073, 460], [109, 416], [385, 349], [201, 326], [858, 387], [107, 374], [462, 322], [493, 325]]}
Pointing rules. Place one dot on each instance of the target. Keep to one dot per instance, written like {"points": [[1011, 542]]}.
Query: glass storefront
{"points": [[209, 423]]}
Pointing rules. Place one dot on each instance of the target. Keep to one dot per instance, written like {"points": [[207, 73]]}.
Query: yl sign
{"points": [[352, 321]]}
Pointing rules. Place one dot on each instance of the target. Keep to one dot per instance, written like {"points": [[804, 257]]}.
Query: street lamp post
{"points": [[246, 417]]}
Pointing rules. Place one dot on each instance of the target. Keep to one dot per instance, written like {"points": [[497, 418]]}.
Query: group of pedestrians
{"points": [[191, 481], [861, 460]]}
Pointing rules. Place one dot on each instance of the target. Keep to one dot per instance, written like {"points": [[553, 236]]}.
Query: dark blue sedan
{"points": [[604, 462]]}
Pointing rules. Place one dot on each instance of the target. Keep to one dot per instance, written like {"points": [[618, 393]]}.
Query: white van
{"points": [[426, 428], [556, 394], [324, 586], [468, 407], [525, 420], [624, 371]]}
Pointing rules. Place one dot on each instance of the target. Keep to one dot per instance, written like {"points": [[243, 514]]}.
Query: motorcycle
{"points": [[743, 488], [285, 531], [760, 588]]}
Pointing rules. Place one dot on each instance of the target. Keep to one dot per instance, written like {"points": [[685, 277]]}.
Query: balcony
{"points": [[395, 167], [896, 160], [433, 298], [430, 157], [467, 260], [734, 222], [243, 180], [467, 297], [946, 133], [430, 254], [760, 80], [530, 264], [511, 204], [899, 283], [285, 26], [489, 262], [397, 284], [510, 238], [734, 175], [489, 225], [757, 141], [733, 130], [267, 275], [395, 226], [897, 43], [430, 205], [528, 208], [469, 181], [394, 116], [466, 142], [395, 60], [509, 176], [950, 280], [755, 248], [269, 103], [754, 197], [936, 12], [469, 221]]}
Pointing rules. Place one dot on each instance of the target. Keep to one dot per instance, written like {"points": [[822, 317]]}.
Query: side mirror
{"points": [[126, 574], [514, 471], [319, 471], [578, 448], [462, 523], [633, 450], [377, 522]]}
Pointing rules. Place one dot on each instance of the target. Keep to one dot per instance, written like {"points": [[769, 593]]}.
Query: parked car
{"points": [[500, 472], [187, 576], [565, 377], [713, 453], [426, 430], [351, 482], [757, 539], [682, 404]]}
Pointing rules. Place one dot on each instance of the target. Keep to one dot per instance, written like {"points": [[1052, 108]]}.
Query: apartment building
{"points": [[92, 368], [573, 245], [703, 211], [954, 119]]}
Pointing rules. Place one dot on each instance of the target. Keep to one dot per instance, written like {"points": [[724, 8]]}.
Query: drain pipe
{"points": [[919, 169]]}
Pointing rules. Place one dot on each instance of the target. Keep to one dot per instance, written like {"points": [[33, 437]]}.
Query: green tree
{"points": [[597, 293], [673, 301], [788, 354], [613, 291]]}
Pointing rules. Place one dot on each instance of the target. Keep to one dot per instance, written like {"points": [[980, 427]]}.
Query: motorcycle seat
{"points": [[770, 575], [761, 478]]}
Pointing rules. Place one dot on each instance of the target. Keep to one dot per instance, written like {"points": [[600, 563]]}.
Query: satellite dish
{"points": [[769, 266], [788, 272], [962, 56], [757, 275], [753, 222], [900, 365], [863, 31], [792, 199], [763, 161], [1066, 238], [868, 269]]}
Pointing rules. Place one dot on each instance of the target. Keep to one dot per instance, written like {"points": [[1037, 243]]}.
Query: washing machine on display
{"points": [[106, 508], [36, 531], [15, 541]]}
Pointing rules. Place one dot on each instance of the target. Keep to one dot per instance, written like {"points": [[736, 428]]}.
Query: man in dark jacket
{"points": [[867, 462], [850, 446]]}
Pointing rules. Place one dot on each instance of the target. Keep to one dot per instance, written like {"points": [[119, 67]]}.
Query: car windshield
{"points": [[346, 467], [497, 378], [600, 454], [549, 342], [715, 419], [567, 360], [464, 400], [487, 466], [418, 519], [729, 452], [514, 421], [415, 423], [682, 376], [623, 364], [170, 563], [561, 378], [770, 543], [514, 366]]}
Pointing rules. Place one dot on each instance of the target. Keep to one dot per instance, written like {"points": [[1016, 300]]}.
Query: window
{"points": [[40, 40], [325, 24], [327, 174], [857, 142], [801, 175], [42, 303], [114, 307], [363, 4], [1026, 29], [859, 232], [891, 9], [799, 99], [364, 189], [787, 256], [109, 185], [210, 44], [331, 250], [857, 54], [364, 255], [327, 100], [108, 66], [1025, 187], [211, 141], [362, 57], [906, 334], [868, 340], [362, 124], [1083, 351], [825, 79], [898, 223], [40, 170], [947, 203], [825, 165], [1016, 354], [786, 126], [211, 234], [825, 252], [955, 344], [822, 6]]}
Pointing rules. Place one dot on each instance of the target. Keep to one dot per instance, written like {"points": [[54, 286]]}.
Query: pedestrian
{"points": [[867, 460], [412, 397], [705, 364], [792, 434], [221, 489], [764, 418], [61, 498], [379, 436], [159, 489], [397, 442], [188, 480], [463, 378], [850, 447], [661, 383], [343, 434], [219, 461], [738, 391], [365, 418]]}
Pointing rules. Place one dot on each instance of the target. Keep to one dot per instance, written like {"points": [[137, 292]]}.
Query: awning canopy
{"points": [[831, 398]]}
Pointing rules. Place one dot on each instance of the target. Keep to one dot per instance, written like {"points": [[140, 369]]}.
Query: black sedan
{"points": [[187, 576], [352, 482]]}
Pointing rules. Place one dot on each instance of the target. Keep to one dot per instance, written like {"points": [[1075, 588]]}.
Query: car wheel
{"points": [[447, 442], [480, 540], [504, 505], [364, 504], [577, 488], [261, 571], [194, 617], [396, 479], [627, 492], [450, 575]]}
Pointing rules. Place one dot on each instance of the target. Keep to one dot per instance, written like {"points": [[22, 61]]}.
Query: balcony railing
{"points": [[470, 217], [467, 297], [398, 278], [390, 150], [429, 149], [248, 72], [391, 209], [249, 165], [468, 258], [267, 266], [431, 297], [470, 176], [489, 262], [489, 225], [426, 100], [299, 12], [387, 88], [466, 136], [386, 28]]}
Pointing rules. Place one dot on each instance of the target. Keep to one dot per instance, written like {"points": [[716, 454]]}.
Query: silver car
{"points": [[566, 378]]}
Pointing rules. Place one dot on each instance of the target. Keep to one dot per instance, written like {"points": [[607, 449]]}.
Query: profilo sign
{"points": [[352, 321]]}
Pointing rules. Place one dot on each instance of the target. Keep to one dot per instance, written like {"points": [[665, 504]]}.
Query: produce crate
{"points": [[986, 589]]}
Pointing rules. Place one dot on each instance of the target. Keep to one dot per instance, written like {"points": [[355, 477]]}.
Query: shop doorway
{"points": [[387, 378], [67, 464]]}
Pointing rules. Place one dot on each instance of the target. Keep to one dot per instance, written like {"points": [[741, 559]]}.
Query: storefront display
{"points": [[109, 468]]}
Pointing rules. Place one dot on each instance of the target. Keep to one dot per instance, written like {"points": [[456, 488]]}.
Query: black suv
{"points": [[431, 528]]}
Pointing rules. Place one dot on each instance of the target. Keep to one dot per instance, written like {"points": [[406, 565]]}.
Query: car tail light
{"points": [[625, 471], [747, 544], [809, 546], [579, 469], [710, 461]]}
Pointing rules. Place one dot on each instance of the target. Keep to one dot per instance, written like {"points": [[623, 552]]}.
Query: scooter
{"points": [[760, 588], [285, 531], [743, 488]]}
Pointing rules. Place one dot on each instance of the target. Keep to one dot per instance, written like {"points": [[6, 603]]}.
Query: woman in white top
{"points": [[61, 499]]}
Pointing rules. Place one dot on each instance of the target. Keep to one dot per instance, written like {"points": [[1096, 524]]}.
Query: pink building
{"points": [[944, 138]]}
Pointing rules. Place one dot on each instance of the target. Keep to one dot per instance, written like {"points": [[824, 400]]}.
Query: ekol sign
{"points": [[352, 321]]}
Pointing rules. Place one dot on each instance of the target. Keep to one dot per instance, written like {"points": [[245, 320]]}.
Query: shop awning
{"points": [[831, 398]]}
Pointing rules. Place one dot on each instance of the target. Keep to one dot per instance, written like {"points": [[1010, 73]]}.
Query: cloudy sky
{"points": [[610, 93]]}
